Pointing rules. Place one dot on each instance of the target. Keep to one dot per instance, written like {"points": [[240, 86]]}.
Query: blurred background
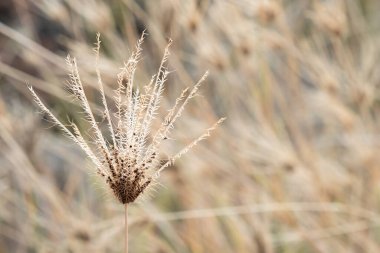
{"points": [[294, 168]]}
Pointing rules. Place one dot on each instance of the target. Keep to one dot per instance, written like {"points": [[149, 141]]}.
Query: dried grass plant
{"points": [[130, 161], [297, 80]]}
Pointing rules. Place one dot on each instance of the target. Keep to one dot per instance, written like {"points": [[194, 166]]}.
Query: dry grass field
{"points": [[295, 167]]}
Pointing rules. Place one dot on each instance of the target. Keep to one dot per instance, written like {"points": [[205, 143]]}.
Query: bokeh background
{"points": [[294, 168]]}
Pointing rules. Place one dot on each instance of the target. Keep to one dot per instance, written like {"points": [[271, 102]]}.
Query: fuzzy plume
{"points": [[131, 163]]}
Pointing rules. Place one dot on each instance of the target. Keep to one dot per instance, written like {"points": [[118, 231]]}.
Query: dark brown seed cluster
{"points": [[126, 177]]}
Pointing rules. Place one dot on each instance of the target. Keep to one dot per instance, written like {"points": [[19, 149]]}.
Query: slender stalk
{"points": [[126, 228]]}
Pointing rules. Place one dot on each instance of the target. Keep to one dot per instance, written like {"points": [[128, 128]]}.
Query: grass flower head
{"points": [[130, 161]]}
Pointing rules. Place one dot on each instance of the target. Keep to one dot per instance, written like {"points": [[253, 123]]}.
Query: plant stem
{"points": [[126, 228]]}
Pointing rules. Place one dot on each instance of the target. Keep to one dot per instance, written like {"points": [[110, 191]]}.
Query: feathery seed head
{"points": [[130, 163]]}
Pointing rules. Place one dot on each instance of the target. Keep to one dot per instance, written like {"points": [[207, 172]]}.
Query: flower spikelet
{"points": [[130, 161]]}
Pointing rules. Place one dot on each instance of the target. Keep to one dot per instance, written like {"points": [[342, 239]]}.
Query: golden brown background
{"points": [[294, 168]]}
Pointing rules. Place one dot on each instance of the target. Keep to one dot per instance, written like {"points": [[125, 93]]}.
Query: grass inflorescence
{"points": [[130, 161]]}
